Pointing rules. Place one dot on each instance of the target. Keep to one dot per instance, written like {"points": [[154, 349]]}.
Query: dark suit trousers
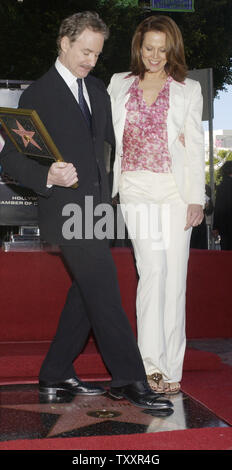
{"points": [[93, 301]]}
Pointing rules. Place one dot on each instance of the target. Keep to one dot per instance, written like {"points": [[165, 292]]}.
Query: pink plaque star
{"points": [[27, 136]]}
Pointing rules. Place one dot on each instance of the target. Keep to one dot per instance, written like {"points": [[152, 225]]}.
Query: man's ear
{"points": [[64, 43]]}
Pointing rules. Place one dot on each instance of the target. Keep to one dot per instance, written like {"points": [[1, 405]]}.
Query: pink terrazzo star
{"points": [[27, 136]]}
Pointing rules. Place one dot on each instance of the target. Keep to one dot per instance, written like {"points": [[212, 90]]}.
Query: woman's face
{"points": [[153, 51]]}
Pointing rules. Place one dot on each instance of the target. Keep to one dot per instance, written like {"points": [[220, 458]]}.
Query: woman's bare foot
{"points": [[156, 382], [172, 388]]}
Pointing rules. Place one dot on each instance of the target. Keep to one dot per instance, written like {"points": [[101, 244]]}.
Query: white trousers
{"points": [[155, 216]]}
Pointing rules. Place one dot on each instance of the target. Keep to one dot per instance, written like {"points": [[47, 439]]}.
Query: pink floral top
{"points": [[145, 139]]}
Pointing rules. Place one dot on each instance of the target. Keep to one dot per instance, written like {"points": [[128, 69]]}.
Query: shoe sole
{"points": [[55, 391], [151, 407], [172, 393], [157, 392]]}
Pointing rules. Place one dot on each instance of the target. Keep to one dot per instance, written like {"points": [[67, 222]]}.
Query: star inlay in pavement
{"points": [[85, 411]]}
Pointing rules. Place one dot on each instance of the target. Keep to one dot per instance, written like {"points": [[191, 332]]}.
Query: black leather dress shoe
{"points": [[140, 394], [74, 386]]}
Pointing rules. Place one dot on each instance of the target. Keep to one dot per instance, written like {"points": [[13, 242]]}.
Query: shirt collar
{"points": [[65, 73]]}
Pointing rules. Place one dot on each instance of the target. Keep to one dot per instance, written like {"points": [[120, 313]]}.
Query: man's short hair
{"points": [[74, 25]]}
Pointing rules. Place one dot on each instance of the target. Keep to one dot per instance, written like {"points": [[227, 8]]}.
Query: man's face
{"points": [[81, 55]]}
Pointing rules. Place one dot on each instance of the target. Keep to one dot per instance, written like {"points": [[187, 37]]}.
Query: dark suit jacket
{"points": [[223, 208], [60, 113]]}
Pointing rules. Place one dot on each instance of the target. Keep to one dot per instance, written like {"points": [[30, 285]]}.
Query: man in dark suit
{"points": [[75, 109]]}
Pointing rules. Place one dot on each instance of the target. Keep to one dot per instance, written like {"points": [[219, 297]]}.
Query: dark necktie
{"points": [[82, 103]]}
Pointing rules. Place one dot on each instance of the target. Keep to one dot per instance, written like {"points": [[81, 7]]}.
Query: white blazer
{"points": [[184, 117]]}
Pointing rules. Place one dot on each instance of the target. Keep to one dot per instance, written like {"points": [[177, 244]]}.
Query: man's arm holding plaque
{"points": [[25, 171], [62, 174], [28, 137]]}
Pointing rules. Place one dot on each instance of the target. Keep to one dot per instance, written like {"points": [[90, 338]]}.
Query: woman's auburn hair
{"points": [[176, 66]]}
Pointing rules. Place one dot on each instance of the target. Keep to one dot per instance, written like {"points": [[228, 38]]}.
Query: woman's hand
{"points": [[195, 215]]}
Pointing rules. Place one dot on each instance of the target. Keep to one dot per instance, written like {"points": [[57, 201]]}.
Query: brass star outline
{"points": [[77, 414]]}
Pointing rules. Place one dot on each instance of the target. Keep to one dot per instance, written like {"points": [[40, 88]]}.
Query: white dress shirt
{"points": [[71, 81]]}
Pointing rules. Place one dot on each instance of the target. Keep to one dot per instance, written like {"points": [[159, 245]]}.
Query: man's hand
{"points": [[195, 215], [62, 174], [215, 233]]}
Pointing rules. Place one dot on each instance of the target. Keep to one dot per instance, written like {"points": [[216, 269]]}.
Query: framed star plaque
{"points": [[28, 133]]}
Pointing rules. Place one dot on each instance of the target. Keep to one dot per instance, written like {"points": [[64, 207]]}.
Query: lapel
{"points": [[176, 112], [119, 108], [67, 98]]}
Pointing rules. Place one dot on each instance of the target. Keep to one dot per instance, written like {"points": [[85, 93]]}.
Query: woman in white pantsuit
{"points": [[160, 176]]}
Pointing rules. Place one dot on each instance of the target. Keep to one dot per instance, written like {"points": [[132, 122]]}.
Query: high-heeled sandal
{"points": [[172, 388], [156, 382]]}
